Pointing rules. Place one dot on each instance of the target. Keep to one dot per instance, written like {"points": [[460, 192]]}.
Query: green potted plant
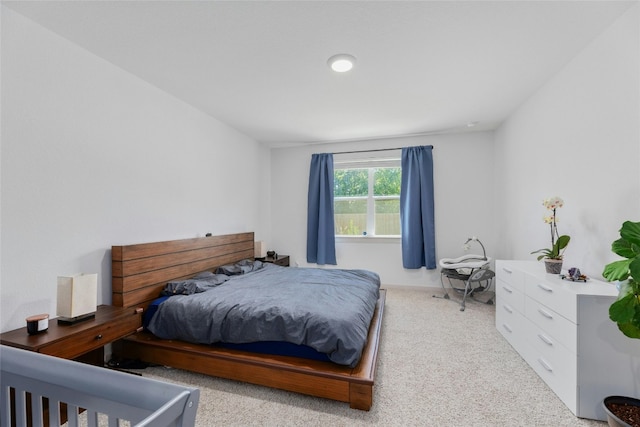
{"points": [[553, 256], [625, 311]]}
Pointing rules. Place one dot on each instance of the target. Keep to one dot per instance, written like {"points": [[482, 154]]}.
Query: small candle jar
{"points": [[37, 323]]}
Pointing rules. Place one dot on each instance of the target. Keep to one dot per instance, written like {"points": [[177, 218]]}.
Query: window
{"points": [[367, 198]]}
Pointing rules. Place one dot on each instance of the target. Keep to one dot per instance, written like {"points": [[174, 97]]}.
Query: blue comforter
{"points": [[328, 310]]}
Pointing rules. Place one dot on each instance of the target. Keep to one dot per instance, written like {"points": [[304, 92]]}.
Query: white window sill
{"points": [[368, 239]]}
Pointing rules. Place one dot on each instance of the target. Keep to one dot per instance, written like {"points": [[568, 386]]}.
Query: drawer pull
{"points": [[545, 339], [509, 309], [508, 289], [138, 310], [545, 314], [507, 270], [545, 365], [507, 328], [99, 336], [545, 288]]}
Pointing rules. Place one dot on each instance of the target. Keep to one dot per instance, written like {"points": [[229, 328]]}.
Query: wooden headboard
{"points": [[139, 272]]}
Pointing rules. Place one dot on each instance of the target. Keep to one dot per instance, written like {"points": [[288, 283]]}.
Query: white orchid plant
{"points": [[558, 242]]}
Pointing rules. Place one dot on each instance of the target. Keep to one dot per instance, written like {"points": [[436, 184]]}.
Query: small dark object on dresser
{"points": [[574, 273]]}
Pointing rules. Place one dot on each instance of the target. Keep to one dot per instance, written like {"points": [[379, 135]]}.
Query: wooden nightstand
{"points": [[83, 341], [282, 260]]}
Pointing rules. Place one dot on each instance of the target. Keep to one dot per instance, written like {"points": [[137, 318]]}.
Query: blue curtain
{"points": [[416, 208], [321, 240]]}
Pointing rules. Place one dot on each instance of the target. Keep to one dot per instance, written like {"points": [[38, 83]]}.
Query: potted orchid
{"points": [[553, 256]]}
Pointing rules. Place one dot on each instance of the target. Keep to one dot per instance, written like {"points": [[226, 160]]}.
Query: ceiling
{"points": [[260, 66]]}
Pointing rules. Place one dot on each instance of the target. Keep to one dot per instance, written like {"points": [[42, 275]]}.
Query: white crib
{"points": [[32, 382]]}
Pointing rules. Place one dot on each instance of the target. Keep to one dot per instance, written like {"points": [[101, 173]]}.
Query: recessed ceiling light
{"points": [[342, 62], [472, 124]]}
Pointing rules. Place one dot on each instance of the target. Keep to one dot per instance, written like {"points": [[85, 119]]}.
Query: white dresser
{"points": [[562, 330]]}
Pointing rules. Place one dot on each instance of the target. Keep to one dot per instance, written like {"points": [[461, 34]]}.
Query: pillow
{"points": [[248, 265], [201, 282], [240, 267], [229, 269]]}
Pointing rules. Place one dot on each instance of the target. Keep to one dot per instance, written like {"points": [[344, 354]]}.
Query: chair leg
{"points": [[467, 286], [446, 294]]}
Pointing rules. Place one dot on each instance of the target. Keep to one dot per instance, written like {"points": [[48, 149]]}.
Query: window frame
{"points": [[370, 163]]}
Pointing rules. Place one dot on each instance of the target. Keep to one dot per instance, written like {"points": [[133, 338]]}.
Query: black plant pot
{"points": [[612, 418]]}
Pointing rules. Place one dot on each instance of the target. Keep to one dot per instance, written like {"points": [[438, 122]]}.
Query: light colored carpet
{"points": [[437, 366]]}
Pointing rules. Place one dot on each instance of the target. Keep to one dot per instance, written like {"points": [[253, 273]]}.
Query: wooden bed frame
{"points": [[140, 272]]}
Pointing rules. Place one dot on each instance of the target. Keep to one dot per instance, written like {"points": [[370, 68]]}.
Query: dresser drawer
{"points": [[551, 349], [550, 324], [510, 275], [511, 324], [510, 295], [553, 294], [82, 342], [554, 363]]}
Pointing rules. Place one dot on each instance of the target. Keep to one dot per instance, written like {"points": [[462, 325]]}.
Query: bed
{"points": [[141, 272]]}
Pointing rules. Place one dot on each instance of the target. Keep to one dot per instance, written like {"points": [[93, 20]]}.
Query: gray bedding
{"points": [[328, 310]]}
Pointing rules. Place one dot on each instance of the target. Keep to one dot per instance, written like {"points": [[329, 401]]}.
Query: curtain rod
{"points": [[371, 151]]}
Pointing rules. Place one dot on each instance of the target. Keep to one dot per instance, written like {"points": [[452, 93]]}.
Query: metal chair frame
{"points": [[477, 280]]}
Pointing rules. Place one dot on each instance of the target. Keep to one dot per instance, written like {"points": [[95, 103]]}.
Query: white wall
{"points": [[578, 137], [93, 156], [463, 176]]}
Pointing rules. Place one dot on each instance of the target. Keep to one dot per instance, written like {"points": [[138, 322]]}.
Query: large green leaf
{"points": [[617, 270], [623, 248], [629, 329], [634, 268], [623, 309], [636, 319], [626, 310], [632, 327], [630, 232], [562, 241]]}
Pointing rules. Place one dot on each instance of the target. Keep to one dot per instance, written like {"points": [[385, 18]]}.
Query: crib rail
{"points": [[32, 382]]}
